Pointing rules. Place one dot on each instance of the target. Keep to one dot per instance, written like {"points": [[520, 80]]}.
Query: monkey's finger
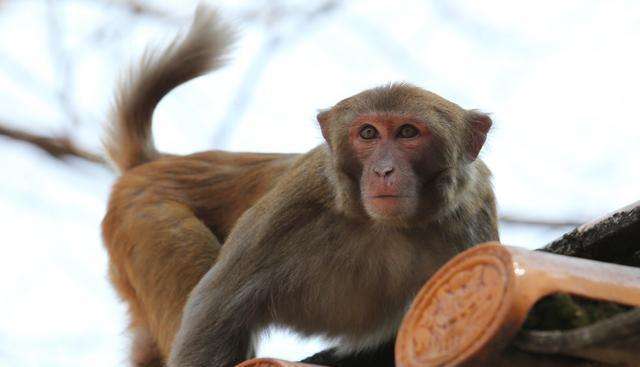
{"points": [[271, 362], [476, 303]]}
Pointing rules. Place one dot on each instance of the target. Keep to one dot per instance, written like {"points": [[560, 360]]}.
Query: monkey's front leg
{"points": [[219, 318]]}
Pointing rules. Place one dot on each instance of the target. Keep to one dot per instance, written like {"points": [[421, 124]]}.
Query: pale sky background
{"points": [[560, 79]]}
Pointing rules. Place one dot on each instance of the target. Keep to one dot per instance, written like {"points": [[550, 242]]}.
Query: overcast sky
{"points": [[560, 80]]}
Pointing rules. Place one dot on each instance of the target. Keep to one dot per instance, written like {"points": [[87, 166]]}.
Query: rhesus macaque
{"points": [[210, 248]]}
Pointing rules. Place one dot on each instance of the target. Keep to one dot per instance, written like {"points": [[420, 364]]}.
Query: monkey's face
{"points": [[392, 151], [400, 153]]}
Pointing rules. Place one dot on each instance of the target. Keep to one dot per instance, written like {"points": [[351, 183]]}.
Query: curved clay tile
{"points": [[475, 304]]}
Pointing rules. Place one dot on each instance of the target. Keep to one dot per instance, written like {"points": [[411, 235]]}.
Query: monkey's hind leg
{"points": [[157, 258], [144, 350]]}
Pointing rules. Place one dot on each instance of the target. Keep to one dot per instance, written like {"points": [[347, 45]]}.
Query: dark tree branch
{"points": [[58, 147]]}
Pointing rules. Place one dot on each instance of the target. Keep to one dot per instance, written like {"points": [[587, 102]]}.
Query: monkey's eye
{"points": [[368, 132], [407, 131]]}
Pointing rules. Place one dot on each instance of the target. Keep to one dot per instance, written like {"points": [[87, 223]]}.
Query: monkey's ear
{"points": [[323, 120], [479, 124]]}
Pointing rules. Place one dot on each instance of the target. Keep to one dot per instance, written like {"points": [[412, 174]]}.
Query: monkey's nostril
{"points": [[383, 171]]}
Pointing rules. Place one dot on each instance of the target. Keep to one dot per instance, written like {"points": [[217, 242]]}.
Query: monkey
{"points": [[210, 248]]}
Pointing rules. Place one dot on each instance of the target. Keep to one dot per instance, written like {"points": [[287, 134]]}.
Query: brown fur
{"points": [[299, 250]]}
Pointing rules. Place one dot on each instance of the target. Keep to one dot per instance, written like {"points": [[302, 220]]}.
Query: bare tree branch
{"points": [[58, 147], [511, 219]]}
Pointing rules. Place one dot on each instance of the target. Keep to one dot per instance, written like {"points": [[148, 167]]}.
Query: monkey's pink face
{"points": [[389, 147]]}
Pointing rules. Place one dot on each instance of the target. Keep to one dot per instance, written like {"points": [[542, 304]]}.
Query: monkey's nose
{"points": [[383, 171]]}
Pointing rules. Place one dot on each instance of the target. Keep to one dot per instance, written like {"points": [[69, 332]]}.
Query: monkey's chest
{"points": [[355, 293]]}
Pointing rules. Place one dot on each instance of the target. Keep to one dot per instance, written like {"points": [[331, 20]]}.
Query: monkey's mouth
{"points": [[388, 197], [387, 201], [386, 206]]}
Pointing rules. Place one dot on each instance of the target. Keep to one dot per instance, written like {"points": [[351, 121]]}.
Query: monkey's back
{"points": [[218, 186]]}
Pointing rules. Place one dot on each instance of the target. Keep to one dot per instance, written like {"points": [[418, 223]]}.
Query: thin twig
{"points": [[63, 63], [137, 7], [259, 64], [245, 91]]}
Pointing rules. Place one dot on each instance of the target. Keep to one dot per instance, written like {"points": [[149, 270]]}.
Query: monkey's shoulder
{"points": [[300, 199], [305, 186]]}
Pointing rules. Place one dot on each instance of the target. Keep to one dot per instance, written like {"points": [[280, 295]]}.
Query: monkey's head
{"points": [[401, 154]]}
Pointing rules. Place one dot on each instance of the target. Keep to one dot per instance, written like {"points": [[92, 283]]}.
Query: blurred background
{"points": [[559, 78]]}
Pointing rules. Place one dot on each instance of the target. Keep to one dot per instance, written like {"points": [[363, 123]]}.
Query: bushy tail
{"points": [[129, 141]]}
